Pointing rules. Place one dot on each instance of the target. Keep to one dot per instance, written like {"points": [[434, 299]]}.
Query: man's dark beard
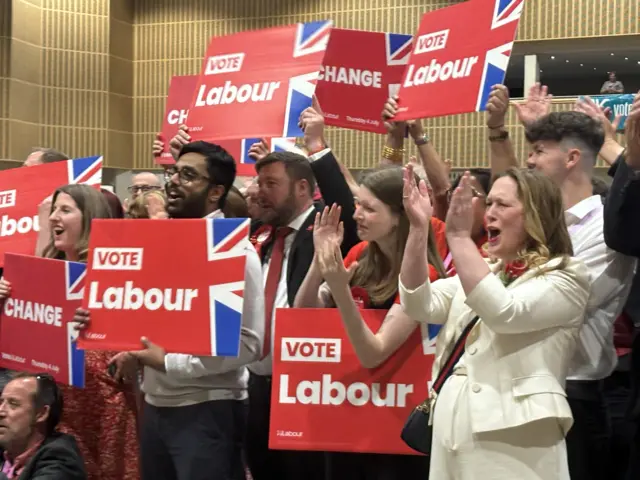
{"points": [[193, 206], [283, 215]]}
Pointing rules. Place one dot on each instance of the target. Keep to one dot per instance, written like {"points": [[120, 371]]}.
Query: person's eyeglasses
{"points": [[474, 193], [142, 188], [185, 175]]}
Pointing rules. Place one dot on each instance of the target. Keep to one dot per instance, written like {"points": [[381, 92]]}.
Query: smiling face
{"points": [[188, 191], [18, 416], [65, 223], [505, 220], [374, 218]]}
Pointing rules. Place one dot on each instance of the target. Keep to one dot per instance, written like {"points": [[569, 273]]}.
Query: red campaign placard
{"points": [[184, 293], [23, 189], [179, 97], [177, 110], [323, 399], [361, 71], [36, 333], [255, 84], [459, 53]]}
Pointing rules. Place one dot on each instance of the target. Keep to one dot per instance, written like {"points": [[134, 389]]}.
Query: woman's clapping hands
{"points": [[415, 199], [460, 215], [328, 232]]}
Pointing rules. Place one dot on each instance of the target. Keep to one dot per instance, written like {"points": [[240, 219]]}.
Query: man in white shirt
{"points": [[565, 147], [285, 241], [194, 417]]}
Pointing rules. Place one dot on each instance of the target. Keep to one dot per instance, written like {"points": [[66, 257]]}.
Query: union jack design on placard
{"points": [[227, 238], [299, 98], [75, 274], [497, 59], [506, 11], [226, 304], [495, 68], [429, 334], [398, 48], [85, 170], [312, 37]]}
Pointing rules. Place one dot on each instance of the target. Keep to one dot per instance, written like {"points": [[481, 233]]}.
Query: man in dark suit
{"points": [[30, 409], [622, 233], [285, 244]]}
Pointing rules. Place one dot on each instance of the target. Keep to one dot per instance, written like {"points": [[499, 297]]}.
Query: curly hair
{"points": [[575, 128]]}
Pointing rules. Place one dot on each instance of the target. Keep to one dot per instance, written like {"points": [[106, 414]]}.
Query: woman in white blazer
{"points": [[503, 413]]}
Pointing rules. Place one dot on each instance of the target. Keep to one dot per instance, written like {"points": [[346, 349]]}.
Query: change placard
{"points": [[36, 333]]}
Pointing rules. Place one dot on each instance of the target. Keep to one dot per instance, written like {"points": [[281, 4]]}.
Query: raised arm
{"points": [[336, 184], [418, 299], [611, 149], [435, 169], [501, 153], [371, 348], [621, 226]]}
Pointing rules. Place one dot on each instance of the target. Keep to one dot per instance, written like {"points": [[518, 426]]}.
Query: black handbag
{"points": [[417, 432]]}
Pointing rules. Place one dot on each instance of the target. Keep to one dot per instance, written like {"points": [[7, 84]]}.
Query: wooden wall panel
{"points": [[75, 62], [120, 99], [5, 67], [564, 19], [25, 94], [170, 38]]}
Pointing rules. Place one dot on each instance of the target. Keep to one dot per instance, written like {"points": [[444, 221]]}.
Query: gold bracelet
{"points": [[393, 154]]}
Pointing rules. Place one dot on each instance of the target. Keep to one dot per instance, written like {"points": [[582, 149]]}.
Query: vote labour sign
{"points": [[458, 54], [323, 399], [178, 100], [23, 189], [183, 293], [361, 71], [36, 332], [256, 83]]}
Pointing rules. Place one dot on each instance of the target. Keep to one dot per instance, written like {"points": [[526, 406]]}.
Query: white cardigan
{"points": [[517, 355]]}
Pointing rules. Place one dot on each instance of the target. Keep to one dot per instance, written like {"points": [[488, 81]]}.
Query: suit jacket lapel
{"points": [[303, 237]]}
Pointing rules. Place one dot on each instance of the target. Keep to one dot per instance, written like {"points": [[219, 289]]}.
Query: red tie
{"points": [[273, 279]]}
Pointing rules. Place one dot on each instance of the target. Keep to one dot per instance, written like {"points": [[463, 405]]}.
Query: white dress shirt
{"points": [[264, 366], [611, 275], [192, 379]]}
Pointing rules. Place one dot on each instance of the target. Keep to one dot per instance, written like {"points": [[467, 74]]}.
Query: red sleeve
{"points": [[440, 237], [355, 253]]}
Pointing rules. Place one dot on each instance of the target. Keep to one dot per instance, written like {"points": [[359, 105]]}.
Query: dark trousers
{"points": [[266, 464], [370, 466], [617, 394], [197, 442], [588, 441]]}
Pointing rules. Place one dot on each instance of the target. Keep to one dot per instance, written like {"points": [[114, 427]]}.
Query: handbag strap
{"points": [[458, 350]]}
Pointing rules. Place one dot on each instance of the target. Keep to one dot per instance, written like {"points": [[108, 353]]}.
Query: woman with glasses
{"points": [[103, 415]]}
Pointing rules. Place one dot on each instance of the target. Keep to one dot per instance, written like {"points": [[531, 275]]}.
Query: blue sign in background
{"points": [[619, 105]]}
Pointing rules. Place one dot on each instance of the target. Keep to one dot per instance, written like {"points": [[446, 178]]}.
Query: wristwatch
{"points": [[422, 140]]}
